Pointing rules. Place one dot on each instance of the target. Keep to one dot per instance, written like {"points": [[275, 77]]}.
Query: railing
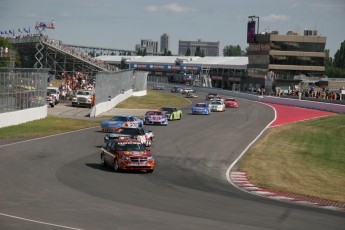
{"points": [[64, 48]]}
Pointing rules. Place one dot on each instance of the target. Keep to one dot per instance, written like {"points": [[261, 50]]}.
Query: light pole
{"points": [[258, 21]]}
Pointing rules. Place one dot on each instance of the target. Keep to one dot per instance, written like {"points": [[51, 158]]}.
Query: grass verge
{"points": [[305, 158], [155, 99], [44, 127]]}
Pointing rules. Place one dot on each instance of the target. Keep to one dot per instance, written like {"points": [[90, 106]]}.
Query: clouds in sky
{"points": [[172, 7], [275, 18]]}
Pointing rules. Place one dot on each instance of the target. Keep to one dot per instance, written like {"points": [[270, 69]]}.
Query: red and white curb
{"points": [[240, 180]]}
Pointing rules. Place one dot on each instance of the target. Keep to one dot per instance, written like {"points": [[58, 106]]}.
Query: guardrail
{"points": [[318, 105]]}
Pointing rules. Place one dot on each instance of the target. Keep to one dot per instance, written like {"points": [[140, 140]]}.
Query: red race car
{"points": [[231, 103], [127, 154]]}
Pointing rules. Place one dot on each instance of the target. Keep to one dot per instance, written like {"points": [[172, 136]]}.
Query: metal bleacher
{"points": [[38, 51]]}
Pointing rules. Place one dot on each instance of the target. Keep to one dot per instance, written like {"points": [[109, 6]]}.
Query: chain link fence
{"points": [[22, 88], [111, 84]]}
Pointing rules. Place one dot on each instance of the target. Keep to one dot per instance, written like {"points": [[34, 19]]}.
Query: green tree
{"points": [[169, 53], [231, 50], [5, 61], [144, 52], [335, 68], [199, 52], [139, 52], [188, 52], [328, 59], [339, 57]]}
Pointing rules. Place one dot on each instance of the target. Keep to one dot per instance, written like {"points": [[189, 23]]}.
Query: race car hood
{"points": [[112, 136], [156, 117], [199, 108], [112, 123], [134, 153]]}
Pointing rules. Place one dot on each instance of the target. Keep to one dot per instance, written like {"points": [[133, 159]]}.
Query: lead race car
{"points": [[155, 117], [117, 122], [231, 103]]}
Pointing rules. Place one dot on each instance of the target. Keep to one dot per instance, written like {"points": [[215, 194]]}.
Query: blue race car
{"points": [[155, 117], [117, 122], [201, 108]]}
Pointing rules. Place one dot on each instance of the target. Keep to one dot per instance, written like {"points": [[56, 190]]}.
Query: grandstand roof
{"points": [[212, 62]]}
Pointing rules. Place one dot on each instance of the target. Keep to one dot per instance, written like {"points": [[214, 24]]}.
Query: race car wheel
{"points": [[180, 117], [103, 160], [150, 171], [116, 166], [148, 142]]}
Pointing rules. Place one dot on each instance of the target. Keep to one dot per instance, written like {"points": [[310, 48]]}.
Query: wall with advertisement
{"points": [[164, 67]]}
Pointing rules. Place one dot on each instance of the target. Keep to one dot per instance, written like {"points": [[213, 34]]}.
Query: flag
{"points": [[10, 31], [1, 32], [25, 30], [6, 32], [13, 32], [20, 31], [29, 29]]}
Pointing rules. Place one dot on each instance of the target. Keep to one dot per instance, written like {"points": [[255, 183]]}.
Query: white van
{"points": [[55, 92]]}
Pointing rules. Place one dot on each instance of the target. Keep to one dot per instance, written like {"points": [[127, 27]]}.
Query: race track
{"points": [[58, 183]]}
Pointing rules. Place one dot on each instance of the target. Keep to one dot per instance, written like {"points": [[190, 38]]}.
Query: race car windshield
{"points": [[130, 147], [151, 113], [200, 105], [129, 131], [118, 119]]}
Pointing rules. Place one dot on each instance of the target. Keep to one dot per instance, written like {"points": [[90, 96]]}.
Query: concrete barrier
{"points": [[22, 116]]}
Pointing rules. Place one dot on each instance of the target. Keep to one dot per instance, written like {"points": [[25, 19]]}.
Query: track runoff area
{"points": [[284, 115]]}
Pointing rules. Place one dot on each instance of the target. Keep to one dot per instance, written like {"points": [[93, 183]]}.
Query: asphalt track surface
{"points": [[57, 182]]}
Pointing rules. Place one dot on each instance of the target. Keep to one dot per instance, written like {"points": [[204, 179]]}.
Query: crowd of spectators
{"points": [[312, 92], [71, 83]]}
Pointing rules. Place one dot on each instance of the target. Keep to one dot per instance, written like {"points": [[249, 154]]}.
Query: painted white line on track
{"points": [[40, 222], [246, 149], [39, 138]]}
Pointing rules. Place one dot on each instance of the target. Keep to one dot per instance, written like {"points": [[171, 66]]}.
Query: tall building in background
{"points": [[209, 48], [165, 42], [149, 45], [288, 58]]}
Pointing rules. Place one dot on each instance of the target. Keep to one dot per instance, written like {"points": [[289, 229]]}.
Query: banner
{"points": [[45, 25]]}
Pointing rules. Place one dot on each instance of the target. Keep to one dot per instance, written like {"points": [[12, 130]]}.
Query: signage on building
{"points": [[251, 32], [164, 67]]}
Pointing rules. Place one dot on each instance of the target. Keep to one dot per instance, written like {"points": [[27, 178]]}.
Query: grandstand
{"points": [[38, 51]]}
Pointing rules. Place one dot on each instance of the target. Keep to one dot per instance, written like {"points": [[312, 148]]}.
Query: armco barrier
{"points": [[22, 116], [336, 108]]}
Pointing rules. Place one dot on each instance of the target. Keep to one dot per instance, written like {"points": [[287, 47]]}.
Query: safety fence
{"points": [[111, 84], [114, 87], [22, 89]]}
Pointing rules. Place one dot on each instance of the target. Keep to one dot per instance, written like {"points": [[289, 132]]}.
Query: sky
{"points": [[121, 24]]}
